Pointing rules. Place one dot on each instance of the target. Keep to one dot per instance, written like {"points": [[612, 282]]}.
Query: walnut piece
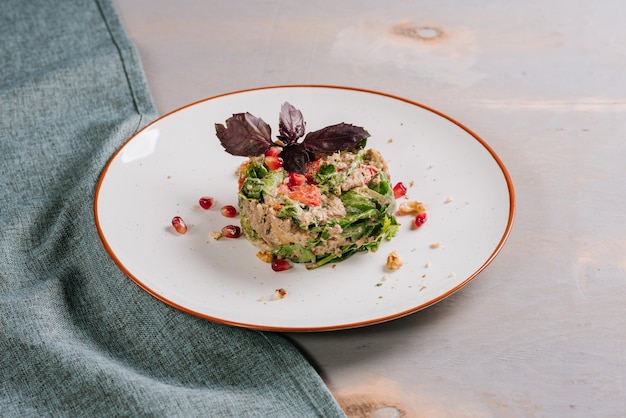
{"points": [[412, 207], [265, 256], [394, 261]]}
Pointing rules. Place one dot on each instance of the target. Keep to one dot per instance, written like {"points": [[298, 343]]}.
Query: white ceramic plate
{"points": [[164, 169]]}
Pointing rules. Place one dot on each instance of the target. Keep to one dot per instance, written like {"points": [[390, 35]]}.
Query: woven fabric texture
{"points": [[77, 337]]}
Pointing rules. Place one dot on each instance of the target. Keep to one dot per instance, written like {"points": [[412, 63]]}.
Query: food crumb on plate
{"points": [[279, 294], [215, 235], [449, 199], [435, 245]]}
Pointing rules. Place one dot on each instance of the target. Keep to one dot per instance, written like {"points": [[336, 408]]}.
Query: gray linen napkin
{"points": [[77, 338]]}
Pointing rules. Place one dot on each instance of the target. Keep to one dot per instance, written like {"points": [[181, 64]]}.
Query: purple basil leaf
{"points": [[244, 135], [290, 124], [295, 158], [334, 138]]}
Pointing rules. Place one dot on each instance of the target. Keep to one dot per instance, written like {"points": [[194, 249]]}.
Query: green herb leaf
{"points": [[295, 252], [259, 180]]}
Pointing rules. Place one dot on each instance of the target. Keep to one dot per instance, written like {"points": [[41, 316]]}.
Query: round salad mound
{"points": [[342, 205], [317, 200]]}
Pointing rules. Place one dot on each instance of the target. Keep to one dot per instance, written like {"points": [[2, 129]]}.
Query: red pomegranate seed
{"points": [[273, 152], [280, 264], [231, 231], [273, 162], [179, 225], [296, 179], [206, 202], [229, 211], [420, 219], [399, 190]]}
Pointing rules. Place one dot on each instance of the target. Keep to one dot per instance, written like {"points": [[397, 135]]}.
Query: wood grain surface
{"points": [[542, 331]]}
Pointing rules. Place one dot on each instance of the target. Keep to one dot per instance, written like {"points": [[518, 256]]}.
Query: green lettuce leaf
{"points": [[296, 253]]}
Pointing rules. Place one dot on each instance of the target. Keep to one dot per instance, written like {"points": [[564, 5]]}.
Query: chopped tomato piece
{"points": [[312, 168], [296, 179], [309, 194], [241, 172], [368, 173]]}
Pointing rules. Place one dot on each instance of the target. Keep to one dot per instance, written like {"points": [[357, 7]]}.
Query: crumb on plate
{"points": [[279, 294]]}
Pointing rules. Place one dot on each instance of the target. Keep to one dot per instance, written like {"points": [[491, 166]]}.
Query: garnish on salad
{"points": [[313, 198]]}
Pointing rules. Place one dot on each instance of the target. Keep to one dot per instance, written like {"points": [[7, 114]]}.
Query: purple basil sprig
{"points": [[247, 135]]}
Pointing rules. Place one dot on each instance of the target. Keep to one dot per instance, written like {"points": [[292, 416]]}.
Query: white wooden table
{"points": [[542, 331]]}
